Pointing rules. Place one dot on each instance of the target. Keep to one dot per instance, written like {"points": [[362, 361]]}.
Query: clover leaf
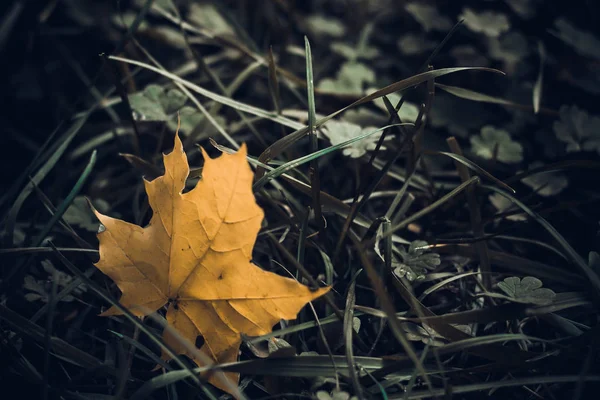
{"points": [[527, 290], [320, 25], [415, 261], [189, 118], [502, 204], [334, 395], [155, 103], [484, 145], [352, 53], [547, 183], [340, 131], [579, 130], [489, 23], [79, 213], [524, 8], [407, 113], [41, 289], [424, 333], [429, 17], [349, 79], [208, 16], [510, 48], [411, 44]]}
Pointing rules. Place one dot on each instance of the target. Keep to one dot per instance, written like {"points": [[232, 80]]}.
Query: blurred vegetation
{"points": [[461, 230]]}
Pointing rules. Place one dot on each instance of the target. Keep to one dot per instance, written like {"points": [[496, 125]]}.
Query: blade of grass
{"points": [[592, 278], [474, 216], [537, 88], [61, 348], [279, 146], [477, 387], [11, 217], [62, 208], [309, 157], [348, 333], [388, 307], [299, 366], [430, 208], [213, 96], [484, 98], [314, 146]]}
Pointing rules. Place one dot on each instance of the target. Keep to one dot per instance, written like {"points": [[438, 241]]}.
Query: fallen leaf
{"points": [[195, 256]]}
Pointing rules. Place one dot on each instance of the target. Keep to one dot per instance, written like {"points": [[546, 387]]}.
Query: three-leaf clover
{"points": [[208, 16], [340, 131], [579, 130], [484, 145], [320, 25], [411, 44], [502, 204], [415, 261], [349, 79], [155, 103], [489, 23], [41, 289], [334, 395], [429, 17], [407, 113], [546, 184], [527, 290]]}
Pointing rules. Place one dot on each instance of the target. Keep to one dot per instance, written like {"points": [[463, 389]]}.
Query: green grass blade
{"points": [[307, 158], [278, 147], [215, 97], [65, 140]]}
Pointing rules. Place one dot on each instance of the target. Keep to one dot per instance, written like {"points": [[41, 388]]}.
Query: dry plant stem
{"points": [[114, 68], [388, 307], [348, 333], [475, 216], [305, 274]]}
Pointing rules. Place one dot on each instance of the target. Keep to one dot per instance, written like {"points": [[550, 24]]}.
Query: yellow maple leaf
{"points": [[195, 255]]}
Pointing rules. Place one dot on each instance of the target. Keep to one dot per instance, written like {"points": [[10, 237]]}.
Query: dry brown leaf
{"points": [[195, 255]]}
